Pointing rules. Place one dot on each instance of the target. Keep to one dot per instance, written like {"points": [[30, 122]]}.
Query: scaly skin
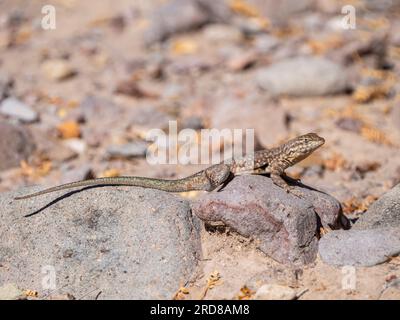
{"points": [[273, 161]]}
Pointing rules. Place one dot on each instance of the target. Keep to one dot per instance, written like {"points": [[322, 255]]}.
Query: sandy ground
{"points": [[235, 259]]}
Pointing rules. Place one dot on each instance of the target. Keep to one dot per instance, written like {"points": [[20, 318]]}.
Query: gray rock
{"points": [[303, 76], [149, 117], [128, 150], [174, 17], [359, 247], [183, 15], [94, 108], [16, 144], [281, 12], [82, 172], [284, 224], [266, 43], [385, 212], [125, 242], [15, 108]]}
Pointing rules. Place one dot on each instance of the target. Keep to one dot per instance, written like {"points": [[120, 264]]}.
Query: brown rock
{"points": [[285, 225]]}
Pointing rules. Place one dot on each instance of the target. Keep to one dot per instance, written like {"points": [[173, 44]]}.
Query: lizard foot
{"points": [[294, 191]]}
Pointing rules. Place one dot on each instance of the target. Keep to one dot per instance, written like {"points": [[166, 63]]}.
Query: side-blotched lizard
{"points": [[273, 161]]}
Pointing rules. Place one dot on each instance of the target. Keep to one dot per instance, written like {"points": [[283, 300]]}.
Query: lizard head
{"points": [[301, 147], [216, 175]]}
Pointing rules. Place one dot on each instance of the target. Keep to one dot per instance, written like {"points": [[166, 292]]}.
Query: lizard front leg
{"points": [[276, 177]]}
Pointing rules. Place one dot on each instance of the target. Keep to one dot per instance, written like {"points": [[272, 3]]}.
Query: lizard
{"points": [[272, 161]]}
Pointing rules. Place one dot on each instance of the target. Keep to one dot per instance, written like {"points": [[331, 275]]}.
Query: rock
{"points": [[125, 242], [385, 212], [95, 109], [16, 145], [314, 76], [275, 292], [76, 145], [174, 17], [192, 122], [359, 247], [241, 61], [149, 117], [131, 88], [183, 15], [128, 150], [76, 174], [349, 124], [15, 108], [267, 120], [57, 69], [284, 225], [9, 291], [281, 12], [222, 34], [265, 43], [6, 84]]}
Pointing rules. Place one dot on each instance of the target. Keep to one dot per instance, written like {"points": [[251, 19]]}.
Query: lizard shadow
{"points": [[62, 197]]}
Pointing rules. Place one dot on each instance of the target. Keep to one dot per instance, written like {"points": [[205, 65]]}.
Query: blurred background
{"points": [[76, 101]]}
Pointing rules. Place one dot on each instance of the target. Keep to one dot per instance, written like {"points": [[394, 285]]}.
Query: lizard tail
{"points": [[173, 185]]}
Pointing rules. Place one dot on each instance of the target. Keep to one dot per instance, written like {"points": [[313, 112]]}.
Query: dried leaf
{"points": [[354, 205], [31, 293], [111, 173], [35, 171], [180, 294], [184, 46], [375, 135], [69, 129], [243, 8], [335, 162], [213, 280], [245, 293]]}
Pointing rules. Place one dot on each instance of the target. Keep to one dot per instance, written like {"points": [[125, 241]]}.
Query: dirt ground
{"points": [[102, 42]]}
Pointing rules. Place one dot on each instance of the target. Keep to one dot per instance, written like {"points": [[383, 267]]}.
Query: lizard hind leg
{"points": [[217, 175]]}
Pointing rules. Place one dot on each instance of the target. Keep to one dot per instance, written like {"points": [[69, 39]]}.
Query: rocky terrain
{"points": [[78, 101]]}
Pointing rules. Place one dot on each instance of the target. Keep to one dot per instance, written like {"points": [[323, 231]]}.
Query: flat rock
{"points": [[114, 242], [16, 144], [359, 247], [303, 76], [385, 212], [15, 108], [284, 225]]}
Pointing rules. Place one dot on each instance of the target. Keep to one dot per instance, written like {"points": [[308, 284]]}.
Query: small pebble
{"points": [[57, 70], [15, 108]]}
